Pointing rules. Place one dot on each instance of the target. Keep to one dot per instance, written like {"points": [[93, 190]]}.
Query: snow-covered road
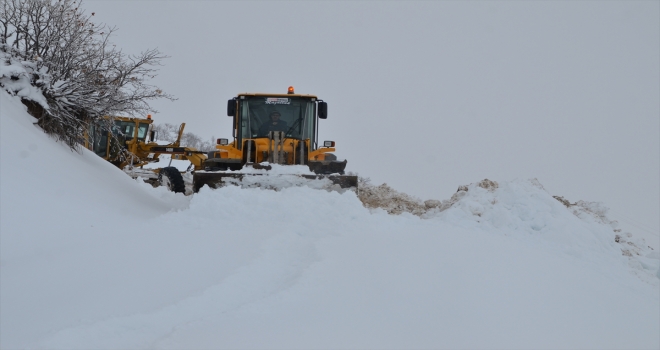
{"points": [[92, 259]]}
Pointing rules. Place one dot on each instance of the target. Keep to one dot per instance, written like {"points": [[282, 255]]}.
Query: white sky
{"points": [[427, 96]]}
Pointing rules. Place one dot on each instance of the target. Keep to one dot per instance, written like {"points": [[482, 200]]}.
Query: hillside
{"points": [[91, 259]]}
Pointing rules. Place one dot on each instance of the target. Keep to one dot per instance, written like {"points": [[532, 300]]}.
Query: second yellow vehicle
{"points": [[129, 144]]}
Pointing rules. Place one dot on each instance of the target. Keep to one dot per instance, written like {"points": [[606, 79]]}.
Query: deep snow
{"points": [[90, 258]]}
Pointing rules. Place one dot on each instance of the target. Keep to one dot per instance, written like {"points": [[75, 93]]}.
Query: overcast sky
{"points": [[427, 96]]}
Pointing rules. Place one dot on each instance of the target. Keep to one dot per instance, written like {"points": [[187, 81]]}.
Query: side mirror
{"points": [[231, 108], [152, 136], [323, 110]]}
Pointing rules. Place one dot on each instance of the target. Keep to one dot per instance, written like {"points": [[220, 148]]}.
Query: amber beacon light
{"points": [[290, 90]]}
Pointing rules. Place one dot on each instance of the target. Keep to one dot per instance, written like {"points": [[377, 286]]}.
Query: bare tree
{"points": [[82, 75], [168, 132]]}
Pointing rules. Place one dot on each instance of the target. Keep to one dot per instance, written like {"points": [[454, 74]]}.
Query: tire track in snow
{"points": [[285, 258]]}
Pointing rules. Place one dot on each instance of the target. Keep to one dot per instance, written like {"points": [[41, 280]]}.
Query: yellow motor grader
{"points": [[129, 143], [275, 131]]}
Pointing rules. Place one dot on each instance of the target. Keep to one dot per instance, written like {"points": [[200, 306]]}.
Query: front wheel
{"points": [[171, 178]]}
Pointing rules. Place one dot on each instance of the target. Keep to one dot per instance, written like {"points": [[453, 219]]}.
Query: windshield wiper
{"points": [[288, 133]]}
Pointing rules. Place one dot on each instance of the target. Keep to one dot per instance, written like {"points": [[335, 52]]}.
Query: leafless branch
{"points": [[82, 75]]}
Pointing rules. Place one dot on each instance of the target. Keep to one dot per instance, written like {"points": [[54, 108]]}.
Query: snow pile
{"points": [[278, 177], [525, 208], [392, 201], [395, 202], [91, 259], [282, 181], [266, 168], [521, 208]]}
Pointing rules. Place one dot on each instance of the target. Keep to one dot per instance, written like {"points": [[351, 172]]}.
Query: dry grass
{"points": [[395, 202]]}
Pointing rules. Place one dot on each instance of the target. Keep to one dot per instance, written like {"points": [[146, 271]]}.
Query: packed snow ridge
{"points": [[92, 259], [523, 207]]}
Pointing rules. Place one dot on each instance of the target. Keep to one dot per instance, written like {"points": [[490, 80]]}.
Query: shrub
{"points": [[80, 73]]}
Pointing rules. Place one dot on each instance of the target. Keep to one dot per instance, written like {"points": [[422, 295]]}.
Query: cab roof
{"points": [[263, 94], [130, 119]]}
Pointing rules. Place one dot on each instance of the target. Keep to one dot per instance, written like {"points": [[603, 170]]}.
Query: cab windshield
{"points": [[127, 129], [259, 115]]}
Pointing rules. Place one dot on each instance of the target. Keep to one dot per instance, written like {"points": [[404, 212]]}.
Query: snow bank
{"points": [[91, 259], [525, 210]]}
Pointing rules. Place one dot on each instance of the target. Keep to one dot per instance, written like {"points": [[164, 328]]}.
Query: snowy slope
{"points": [[92, 259]]}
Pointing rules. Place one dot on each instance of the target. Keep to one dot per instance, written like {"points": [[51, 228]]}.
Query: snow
{"points": [[166, 160], [90, 259], [15, 77]]}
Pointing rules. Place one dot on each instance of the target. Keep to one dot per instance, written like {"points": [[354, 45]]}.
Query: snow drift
{"points": [[91, 259]]}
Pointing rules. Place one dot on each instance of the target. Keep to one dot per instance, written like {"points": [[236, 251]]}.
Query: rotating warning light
{"points": [[290, 90], [148, 116]]}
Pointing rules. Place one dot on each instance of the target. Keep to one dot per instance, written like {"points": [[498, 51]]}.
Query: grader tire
{"points": [[171, 178]]}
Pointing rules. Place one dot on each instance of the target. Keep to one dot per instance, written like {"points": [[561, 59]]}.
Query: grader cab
{"points": [[129, 144]]}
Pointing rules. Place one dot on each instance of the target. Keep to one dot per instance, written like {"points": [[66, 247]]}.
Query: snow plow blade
{"points": [[339, 183]]}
